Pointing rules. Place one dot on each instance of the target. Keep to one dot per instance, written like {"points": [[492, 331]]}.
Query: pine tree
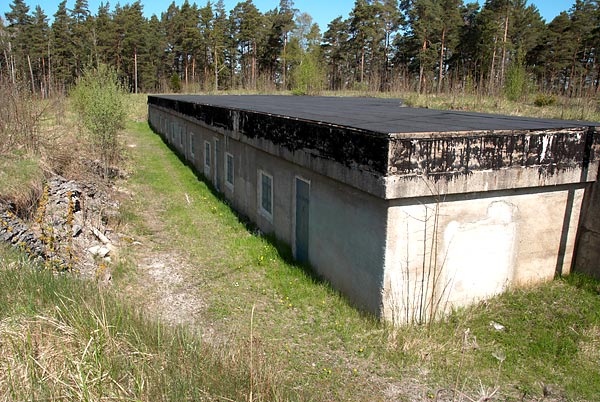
{"points": [[61, 55], [103, 36], [18, 28], [155, 70], [39, 48], [131, 24], [247, 25], [425, 27], [219, 41], [81, 25], [336, 53]]}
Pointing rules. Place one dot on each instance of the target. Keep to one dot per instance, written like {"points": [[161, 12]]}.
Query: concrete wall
{"points": [[588, 243], [347, 226], [454, 250]]}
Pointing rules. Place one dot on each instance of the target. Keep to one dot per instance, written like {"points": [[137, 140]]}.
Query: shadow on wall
{"points": [[587, 259]]}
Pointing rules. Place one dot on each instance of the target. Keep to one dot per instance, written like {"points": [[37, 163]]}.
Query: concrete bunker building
{"points": [[406, 211]]}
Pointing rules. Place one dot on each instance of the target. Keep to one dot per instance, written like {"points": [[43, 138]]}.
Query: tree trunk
{"points": [[492, 84], [572, 74], [216, 69], [254, 65], [362, 64], [441, 75], [421, 67], [31, 75], [186, 67], [135, 69], [284, 71], [504, 49]]}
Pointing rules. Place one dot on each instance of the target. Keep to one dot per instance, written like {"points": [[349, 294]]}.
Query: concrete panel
{"points": [[347, 240], [451, 251]]}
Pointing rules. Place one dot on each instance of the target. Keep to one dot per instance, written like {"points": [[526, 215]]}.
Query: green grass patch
{"points": [[18, 173], [21, 179]]}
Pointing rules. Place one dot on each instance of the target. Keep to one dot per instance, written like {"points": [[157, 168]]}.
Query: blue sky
{"points": [[322, 11]]}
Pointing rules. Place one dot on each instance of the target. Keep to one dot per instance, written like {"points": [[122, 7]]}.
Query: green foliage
{"points": [[100, 103], [308, 77], [515, 84], [175, 82], [544, 100], [383, 45]]}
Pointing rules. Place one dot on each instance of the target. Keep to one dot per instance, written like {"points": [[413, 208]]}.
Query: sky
{"points": [[322, 11]]}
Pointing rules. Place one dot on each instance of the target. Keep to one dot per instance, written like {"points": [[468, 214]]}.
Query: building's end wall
{"points": [[454, 251]]}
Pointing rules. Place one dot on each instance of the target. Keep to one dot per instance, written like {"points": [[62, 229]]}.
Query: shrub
{"points": [[516, 80], [20, 118], [99, 99], [175, 83], [544, 100]]}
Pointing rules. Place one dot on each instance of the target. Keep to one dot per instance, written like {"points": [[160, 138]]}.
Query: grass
{"points": [[63, 338], [564, 109], [21, 180]]}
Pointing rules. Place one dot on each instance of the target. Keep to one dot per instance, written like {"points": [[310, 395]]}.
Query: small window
{"points": [[192, 150], [206, 158], [229, 170], [266, 195]]}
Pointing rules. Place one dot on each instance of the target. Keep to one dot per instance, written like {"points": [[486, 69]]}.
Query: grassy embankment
{"points": [[270, 330]]}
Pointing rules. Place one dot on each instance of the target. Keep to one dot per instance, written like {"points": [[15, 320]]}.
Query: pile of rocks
{"points": [[16, 232], [70, 227]]}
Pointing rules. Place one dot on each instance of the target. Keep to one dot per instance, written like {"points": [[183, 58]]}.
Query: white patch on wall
{"points": [[479, 255]]}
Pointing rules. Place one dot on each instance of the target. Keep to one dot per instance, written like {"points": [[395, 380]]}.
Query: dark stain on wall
{"points": [[350, 147], [548, 151]]}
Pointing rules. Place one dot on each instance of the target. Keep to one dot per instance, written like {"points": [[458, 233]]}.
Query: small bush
{"points": [[544, 100], [175, 83], [99, 99], [21, 117], [516, 81]]}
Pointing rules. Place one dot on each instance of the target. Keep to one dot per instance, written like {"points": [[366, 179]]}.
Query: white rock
{"points": [[497, 326], [100, 251]]}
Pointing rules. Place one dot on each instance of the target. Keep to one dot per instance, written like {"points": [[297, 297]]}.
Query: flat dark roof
{"points": [[382, 115]]}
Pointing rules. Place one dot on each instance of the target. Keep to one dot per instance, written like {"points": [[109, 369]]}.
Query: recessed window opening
{"points": [[192, 144], [266, 194], [206, 158], [229, 170]]}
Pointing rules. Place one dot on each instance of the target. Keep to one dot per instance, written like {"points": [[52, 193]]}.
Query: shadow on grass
{"points": [[584, 282]]}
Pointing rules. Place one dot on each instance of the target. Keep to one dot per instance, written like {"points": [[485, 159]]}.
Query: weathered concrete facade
{"points": [[406, 211]]}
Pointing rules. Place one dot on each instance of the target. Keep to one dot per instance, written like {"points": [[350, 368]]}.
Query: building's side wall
{"points": [[588, 244], [347, 227], [455, 250]]}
